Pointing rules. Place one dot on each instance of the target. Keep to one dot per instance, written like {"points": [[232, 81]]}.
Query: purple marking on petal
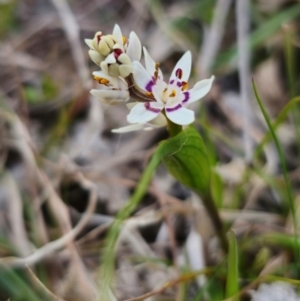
{"points": [[150, 85], [174, 109], [149, 108], [179, 84], [179, 73], [186, 96], [172, 82]]}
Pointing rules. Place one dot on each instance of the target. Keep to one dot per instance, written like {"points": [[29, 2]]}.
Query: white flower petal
{"points": [[180, 115], [134, 50], [113, 70], [159, 121], [103, 47], [125, 70], [157, 91], [141, 77], [89, 42], [104, 67], [95, 56], [199, 90], [117, 33], [185, 65], [111, 97], [144, 112], [129, 128], [150, 64], [123, 58], [110, 59]]}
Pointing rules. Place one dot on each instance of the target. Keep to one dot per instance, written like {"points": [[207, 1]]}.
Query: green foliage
{"points": [[47, 91], [281, 156], [185, 158], [6, 16], [232, 284], [216, 189]]}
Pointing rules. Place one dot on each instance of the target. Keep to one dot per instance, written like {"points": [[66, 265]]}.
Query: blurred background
{"points": [[64, 175]]}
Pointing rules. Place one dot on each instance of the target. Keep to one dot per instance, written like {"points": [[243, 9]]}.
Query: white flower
{"points": [[113, 90], [157, 122], [114, 53], [171, 97]]}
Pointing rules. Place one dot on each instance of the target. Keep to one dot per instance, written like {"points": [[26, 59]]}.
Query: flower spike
{"points": [[114, 53]]}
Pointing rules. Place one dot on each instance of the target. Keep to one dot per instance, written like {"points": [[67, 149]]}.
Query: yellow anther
{"points": [[101, 80], [156, 70], [148, 93], [185, 85], [173, 94], [124, 40]]}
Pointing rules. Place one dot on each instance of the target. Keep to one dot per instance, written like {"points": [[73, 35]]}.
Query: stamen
{"points": [[124, 40], [149, 94], [156, 70], [101, 80], [179, 73], [173, 94], [184, 87]]}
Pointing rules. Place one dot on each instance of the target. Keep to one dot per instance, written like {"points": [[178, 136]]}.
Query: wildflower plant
{"points": [[154, 102]]}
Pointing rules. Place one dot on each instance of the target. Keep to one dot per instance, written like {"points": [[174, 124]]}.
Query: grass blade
{"points": [[282, 161], [232, 284]]}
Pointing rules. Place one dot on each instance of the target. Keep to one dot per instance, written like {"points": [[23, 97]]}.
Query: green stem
{"points": [[172, 127], [212, 210]]}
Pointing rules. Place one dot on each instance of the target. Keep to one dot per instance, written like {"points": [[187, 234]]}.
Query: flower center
{"points": [[173, 93]]}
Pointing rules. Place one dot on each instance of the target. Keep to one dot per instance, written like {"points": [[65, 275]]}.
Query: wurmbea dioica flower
{"points": [[122, 77], [114, 53], [169, 98]]}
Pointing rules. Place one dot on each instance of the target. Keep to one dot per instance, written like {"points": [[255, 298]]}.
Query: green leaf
{"points": [[216, 188], [185, 158], [285, 240], [232, 284], [283, 166]]}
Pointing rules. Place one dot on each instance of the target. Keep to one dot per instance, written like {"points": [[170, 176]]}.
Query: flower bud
{"points": [[114, 53]]}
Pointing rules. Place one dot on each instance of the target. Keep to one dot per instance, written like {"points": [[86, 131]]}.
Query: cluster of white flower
{"points": [[123, 78]]}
